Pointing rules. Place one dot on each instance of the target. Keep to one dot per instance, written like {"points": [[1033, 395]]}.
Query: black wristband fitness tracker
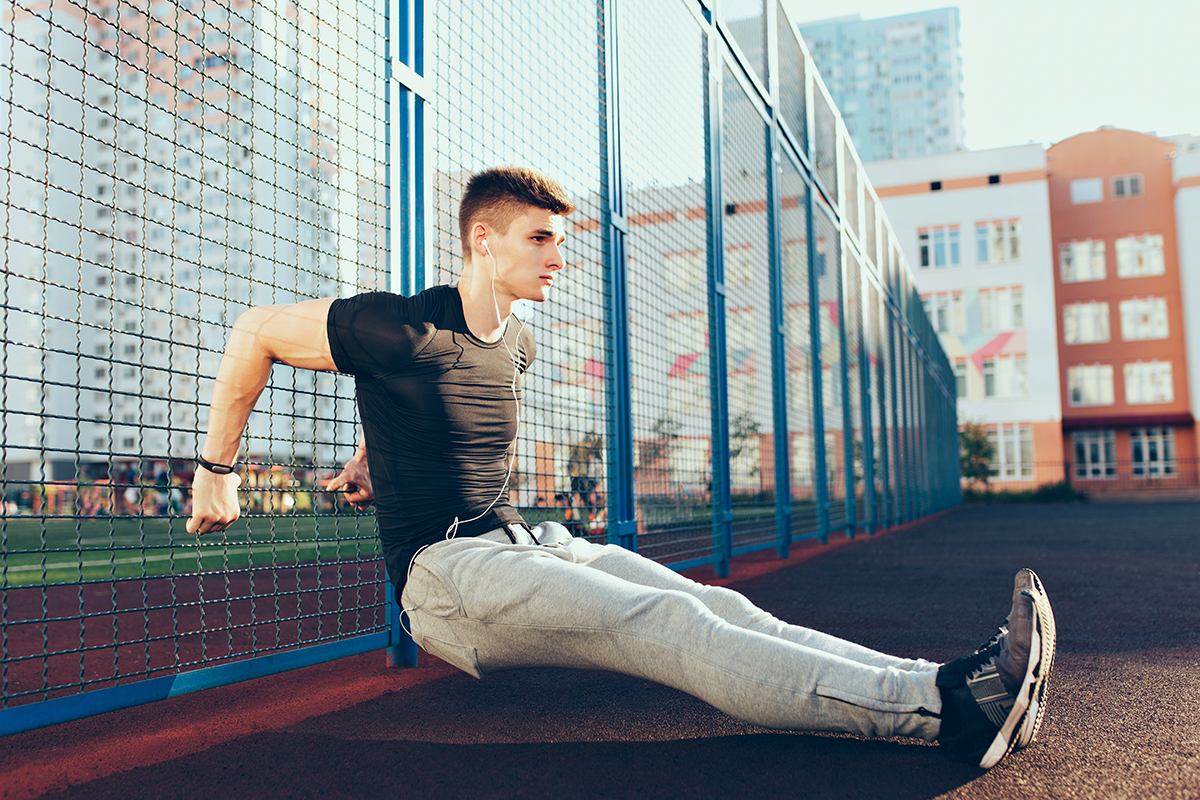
{"points": [[216, 469]]}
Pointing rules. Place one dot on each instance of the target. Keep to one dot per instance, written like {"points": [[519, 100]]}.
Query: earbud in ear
{"points": [[485, 247]]}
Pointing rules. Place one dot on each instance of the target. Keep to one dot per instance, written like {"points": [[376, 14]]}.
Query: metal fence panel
{"points": [[802, 432], [167, 166], [744, 150], [664, 84], [492, 105]]}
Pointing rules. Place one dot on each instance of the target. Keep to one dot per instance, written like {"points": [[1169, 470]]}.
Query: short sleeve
{"points": [[528, 349], [372, 333]]}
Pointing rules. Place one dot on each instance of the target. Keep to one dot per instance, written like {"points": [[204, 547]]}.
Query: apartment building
{"points": [[1127, 405], [1186, 170], [976, 228], [896, 80], [165, 176]]}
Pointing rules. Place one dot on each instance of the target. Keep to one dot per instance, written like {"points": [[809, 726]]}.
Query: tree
{"points": [[976, 452], [743, 434]]}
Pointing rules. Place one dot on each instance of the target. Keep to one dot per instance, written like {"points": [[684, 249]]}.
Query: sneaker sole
{"points": [[1033, 720], [1026, 715]]}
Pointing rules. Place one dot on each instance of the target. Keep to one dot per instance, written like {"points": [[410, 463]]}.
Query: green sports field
{"points": [[46, 551]]}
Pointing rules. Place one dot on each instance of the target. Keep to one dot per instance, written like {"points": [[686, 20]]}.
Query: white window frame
{"points": [[939, 246], [1009, 375], [1095, 454], [998, 241], [1144, 318], [1124, 186], [1082, 260], [946, 311], [1090, 385], [1001, 309], [1152, 452], [960, 379], [1012, 444], [1149, 383], [1086, 323], [685, 271], [1140, 256]]}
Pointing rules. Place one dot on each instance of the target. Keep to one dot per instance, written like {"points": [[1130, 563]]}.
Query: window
{"points": [[685, 271], [1082, 261], [1126, 186], [1152, 451], [1140, 255], [1001, 309], [939, 246], [1144, 318], [1090, 385], [738, 266], [1012, 445], [1005, 376], [946, 312], [1088, 190], [1095, 454], [998, 241], [960, 377], [1149, 382], [1085, 323]]}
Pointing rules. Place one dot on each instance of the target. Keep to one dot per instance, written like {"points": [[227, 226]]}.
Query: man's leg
{"points": [[731, 606], [487, 606]]}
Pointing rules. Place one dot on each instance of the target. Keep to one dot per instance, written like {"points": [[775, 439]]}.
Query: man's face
{"points": [[527, 257]]}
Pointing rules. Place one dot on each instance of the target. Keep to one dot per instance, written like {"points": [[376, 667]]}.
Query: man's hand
{"points": [[355, 479], [214, 502]]}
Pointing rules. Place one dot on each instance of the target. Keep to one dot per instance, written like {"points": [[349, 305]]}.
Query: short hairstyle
{"points": [[498, 195]]}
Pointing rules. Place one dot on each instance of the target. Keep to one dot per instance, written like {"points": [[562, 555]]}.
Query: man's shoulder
{"points": [[428, 306]]}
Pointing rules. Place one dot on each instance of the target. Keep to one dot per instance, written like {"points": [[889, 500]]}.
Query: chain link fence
{"points": [[733, 359]]}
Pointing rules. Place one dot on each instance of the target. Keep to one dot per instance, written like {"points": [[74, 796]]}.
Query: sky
{"points": [[1044, 70]]}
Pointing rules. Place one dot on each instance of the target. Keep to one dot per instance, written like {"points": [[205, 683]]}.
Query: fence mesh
{"points": [[663, 88], [166, 166], [797, 316], [747, 243]]}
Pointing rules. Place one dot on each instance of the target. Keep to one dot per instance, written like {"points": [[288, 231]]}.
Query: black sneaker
{"points": [[993, 699]]}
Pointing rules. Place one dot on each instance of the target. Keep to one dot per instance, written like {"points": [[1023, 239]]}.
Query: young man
{"points": [[438, 383]]}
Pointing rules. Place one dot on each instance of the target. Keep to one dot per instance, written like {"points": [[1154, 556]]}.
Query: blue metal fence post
{"points": [[622, 510], [401, 649], [905, 422], [783, 480], [407, 161], [722, 494], [407, 187]]}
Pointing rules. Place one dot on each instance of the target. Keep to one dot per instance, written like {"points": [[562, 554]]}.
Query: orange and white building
{"points": [[1062, 282], [976, 228], [1128, 409]]}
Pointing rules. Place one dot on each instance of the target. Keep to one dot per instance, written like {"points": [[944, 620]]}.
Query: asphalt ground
{"points": [[1123, 718]]}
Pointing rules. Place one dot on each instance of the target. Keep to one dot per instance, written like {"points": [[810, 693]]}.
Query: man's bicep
{"points": [[295, 335]]}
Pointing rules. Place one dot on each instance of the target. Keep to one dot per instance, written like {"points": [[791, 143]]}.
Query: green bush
{"points": [[1061, 492]]}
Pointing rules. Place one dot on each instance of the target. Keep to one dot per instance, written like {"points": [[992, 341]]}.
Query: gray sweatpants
{"points": [[485, 604]]}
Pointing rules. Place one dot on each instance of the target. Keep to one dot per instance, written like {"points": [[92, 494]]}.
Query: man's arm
{"points": [[293, 335]]}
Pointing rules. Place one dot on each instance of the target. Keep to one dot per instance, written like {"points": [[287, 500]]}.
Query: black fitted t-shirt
{"points": [[438, 411]]}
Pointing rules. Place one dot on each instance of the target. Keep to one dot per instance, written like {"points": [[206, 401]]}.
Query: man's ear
{"points": [[479, 238]]}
